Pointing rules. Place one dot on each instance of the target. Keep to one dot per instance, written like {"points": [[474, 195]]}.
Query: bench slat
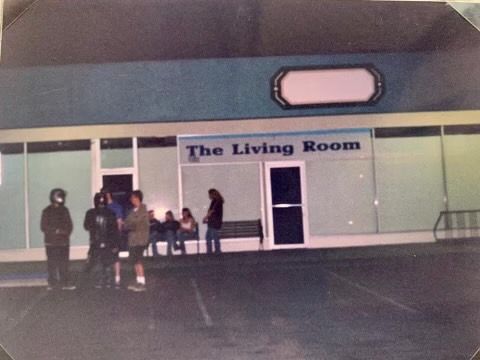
{"points": [[241, 229]]}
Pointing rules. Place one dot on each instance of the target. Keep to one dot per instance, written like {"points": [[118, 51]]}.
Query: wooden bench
{"points": [[242, 229], [235, 229]]}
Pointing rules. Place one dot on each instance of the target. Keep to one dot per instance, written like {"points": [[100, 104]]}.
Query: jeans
{"points": [[154, 237], [182, 236], [171, 238], [57, 265], [213, 235]]}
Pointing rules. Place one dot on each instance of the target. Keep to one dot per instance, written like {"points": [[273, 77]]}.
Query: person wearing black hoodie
{"points": [[101, 223], [56, 224]]}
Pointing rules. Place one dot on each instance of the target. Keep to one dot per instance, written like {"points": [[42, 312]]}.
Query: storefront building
{"points": [[326, 150]]}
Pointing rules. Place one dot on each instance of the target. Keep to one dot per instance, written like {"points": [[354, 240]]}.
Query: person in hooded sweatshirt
{"points": [[56, 225], [101, 223]]}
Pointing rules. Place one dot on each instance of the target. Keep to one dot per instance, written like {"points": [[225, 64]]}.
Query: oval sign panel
{"points": [[332, 86]]}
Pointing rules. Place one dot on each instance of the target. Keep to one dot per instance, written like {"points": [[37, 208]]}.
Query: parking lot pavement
{"points": [[289, 305]]}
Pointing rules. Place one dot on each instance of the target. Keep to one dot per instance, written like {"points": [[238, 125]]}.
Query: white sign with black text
{"points": [[327, 144]]}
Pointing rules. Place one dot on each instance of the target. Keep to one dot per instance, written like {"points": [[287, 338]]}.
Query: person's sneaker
{"points": [[50, 288], [137, 287], [69, 287], [98, 286], [117, 286]]}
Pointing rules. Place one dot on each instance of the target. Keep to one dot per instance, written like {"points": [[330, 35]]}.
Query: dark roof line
{"points": [[62, 32], [7, 26]]}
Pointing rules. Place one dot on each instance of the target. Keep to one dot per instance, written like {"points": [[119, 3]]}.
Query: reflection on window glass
{"points": [[65, 165], [341, 197], [12, 213], [239, 185], [410, 182], [462, 159]]}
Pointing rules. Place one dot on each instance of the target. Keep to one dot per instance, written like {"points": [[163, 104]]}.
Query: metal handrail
{"points": [[455, 222]]}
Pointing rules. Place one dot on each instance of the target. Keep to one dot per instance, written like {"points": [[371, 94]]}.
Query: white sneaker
{"points": [[137, 287], [69, 287]]}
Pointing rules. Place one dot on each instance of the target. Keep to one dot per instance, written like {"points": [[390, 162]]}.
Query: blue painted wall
{"points": [[190, 90]]}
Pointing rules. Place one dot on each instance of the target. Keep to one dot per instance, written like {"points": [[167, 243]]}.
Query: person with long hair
{"points": [[214, 219], [186, 230]]}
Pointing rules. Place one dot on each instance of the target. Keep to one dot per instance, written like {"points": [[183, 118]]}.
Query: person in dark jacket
{"points": [[56, 224], [214, 219], [170, 228], [101, 223]]}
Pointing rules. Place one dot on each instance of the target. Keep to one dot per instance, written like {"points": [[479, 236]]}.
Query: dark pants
{"points": [[104, 259], [154, 238], [171, 237], [213, 235], [57, 265], [182, 237]]}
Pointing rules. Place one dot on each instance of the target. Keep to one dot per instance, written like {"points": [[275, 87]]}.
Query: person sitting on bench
{"points": [[170, 228], [186, 230]]}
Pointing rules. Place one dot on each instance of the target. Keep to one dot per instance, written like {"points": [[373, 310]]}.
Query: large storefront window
{"points": [[158, 175], [410, 178], [116, 153], [462, 163], [339, 185], [238, 183], [12, 197], [66, 165], [341, 197]]}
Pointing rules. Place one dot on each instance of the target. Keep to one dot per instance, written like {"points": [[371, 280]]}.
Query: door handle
{"points": [[285, 206]]}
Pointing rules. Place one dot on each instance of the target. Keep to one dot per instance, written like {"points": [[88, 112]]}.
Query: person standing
{"points": [[101, 223], [214, 219], [56, 224], [138, 227], [118, 210]]}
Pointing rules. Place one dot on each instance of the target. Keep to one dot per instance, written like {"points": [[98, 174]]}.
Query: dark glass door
{"points": [[287, 206], [121, 187]]}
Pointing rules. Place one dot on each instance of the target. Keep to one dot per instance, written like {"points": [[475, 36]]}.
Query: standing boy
{"points": [[102, 226], [56, 224], [118, 210], [138, 227]]}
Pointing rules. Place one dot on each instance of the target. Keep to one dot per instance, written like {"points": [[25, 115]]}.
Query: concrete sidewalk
{"points": [[36, 270]]}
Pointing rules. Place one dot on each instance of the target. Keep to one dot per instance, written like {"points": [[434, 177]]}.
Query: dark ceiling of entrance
{"points": [[58, 32]]}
